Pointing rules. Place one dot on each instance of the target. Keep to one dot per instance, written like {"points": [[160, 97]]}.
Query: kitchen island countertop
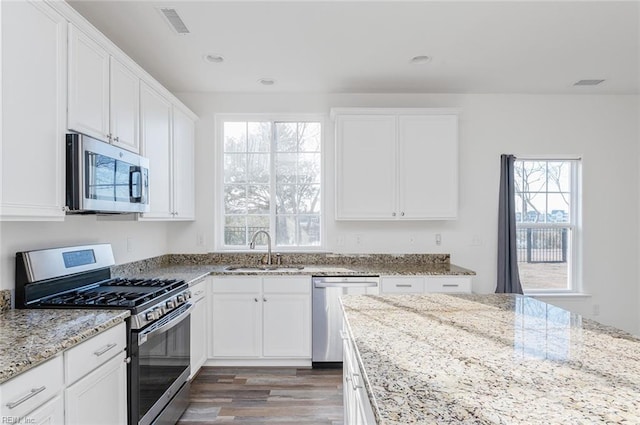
{"points": [[491, 359], [30, 337]]}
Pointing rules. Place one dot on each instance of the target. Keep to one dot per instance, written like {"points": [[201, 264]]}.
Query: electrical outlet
{"points": [[340, 240], [130, 244], [476, 240], [200, 239], [412, 240], [438, 239], [358, 239], [596, 309]]}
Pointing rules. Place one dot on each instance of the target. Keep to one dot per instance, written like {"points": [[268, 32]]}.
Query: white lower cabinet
{"points": [[199, 326], [425, 284], [96, 380], [51, 413], [87, 384], [261, 317], [100, 397], [357, 407]]}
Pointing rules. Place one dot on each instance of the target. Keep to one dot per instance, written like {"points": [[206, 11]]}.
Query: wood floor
{"points": [[271, 396]]}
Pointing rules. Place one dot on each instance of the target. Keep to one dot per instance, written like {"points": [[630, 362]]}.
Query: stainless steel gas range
{"points": [[158, 330]]}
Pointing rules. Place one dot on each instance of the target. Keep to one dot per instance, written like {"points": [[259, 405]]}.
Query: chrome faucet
{"points": [[252, 244]]}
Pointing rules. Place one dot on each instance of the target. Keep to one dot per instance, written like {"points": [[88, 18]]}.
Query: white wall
{"points": [[147, 239], [602, 129]]}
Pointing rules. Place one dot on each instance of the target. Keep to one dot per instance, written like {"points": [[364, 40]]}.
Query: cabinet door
{"points": [[124, 106], [51, 413], [33, 112], [428, 166], [365, 167], [198, 335], [183, 166], [88, 101], [236, 325], [155, 122], [287, 325], [100, 397]]}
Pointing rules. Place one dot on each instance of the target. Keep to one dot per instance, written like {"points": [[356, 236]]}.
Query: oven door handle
{"points": [[142, 337]]}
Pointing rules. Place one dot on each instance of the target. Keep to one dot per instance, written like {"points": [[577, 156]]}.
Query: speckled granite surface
{"points": [[30, 337], [491, 359], [194, 267], [5, 300]]}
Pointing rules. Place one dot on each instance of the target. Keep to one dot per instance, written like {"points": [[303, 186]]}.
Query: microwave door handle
{"points": [[135, 184]]}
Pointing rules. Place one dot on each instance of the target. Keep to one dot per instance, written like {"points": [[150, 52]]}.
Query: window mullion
{"points": [[272, 185]]}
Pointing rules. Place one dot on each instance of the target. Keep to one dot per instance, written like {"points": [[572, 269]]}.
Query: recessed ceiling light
{"points": [[213, 58], [420, 60], [587, 82], [267, 81]]}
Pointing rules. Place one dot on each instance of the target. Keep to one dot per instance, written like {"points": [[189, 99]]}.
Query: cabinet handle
{"points": [[403, 285], [402, 213], [104, 349], [264, 299], [127, 360], [355, 385], [393, 214], [450, 285], [32, 393], [255, 299], [116, 139]]}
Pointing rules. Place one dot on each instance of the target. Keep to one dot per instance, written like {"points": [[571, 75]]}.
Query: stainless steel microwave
{"points": [[102, 178]]}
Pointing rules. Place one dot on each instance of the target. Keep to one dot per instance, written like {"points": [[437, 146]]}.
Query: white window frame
{"points": [[220, 119], [574, 266]]}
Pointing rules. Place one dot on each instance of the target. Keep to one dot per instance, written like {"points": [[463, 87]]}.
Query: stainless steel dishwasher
{"points": [[327, 314]]}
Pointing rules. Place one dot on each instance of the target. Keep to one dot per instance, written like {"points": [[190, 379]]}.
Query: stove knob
{"points": [[159, 312], [150, 316], [187, 295], [180, 298], [171, 304]]}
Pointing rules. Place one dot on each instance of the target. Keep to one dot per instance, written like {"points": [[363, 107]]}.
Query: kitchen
{"points": [[598, 123]]}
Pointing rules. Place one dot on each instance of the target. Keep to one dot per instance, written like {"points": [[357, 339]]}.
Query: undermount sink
{"points": [[265, 268]]}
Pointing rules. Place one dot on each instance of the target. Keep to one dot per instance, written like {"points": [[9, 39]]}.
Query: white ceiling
{"points": [[365, 46]]}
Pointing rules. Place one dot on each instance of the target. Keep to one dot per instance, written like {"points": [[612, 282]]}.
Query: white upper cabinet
{"points": [[124, 102], [396, 164], [88, 101], [183, 166], [168, 142], [365, 159], [34, 70], [103, 93], [428, 166], [155, 125]]}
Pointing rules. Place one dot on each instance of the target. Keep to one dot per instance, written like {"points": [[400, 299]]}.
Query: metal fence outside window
{"points": [[542, 245]]}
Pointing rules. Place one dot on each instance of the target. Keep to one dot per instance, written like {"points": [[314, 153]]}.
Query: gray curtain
{"points": [[508, 276]]}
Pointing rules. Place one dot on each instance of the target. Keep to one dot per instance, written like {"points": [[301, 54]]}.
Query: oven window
{"points": [[107, 179], [162, 359]]}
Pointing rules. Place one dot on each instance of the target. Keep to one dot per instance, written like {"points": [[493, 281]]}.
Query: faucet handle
{"points": [[278, 259]]}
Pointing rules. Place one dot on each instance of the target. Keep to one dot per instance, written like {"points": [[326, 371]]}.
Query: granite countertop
{"points": [[192, 274], [491, 359], [30, 337]]}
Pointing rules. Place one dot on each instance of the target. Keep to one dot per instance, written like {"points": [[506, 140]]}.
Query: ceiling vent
{"points": [[174, 20], [587, 82]]}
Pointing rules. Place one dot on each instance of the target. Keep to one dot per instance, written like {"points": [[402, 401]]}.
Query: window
{"points": [[547, 211], [271, 181]]}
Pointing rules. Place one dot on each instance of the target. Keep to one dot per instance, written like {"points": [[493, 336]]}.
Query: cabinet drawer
{"points": [[237, 284], [92, 353], [287, 285], [402, 285], [31, 389], [199, 290], [448, 284]]}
